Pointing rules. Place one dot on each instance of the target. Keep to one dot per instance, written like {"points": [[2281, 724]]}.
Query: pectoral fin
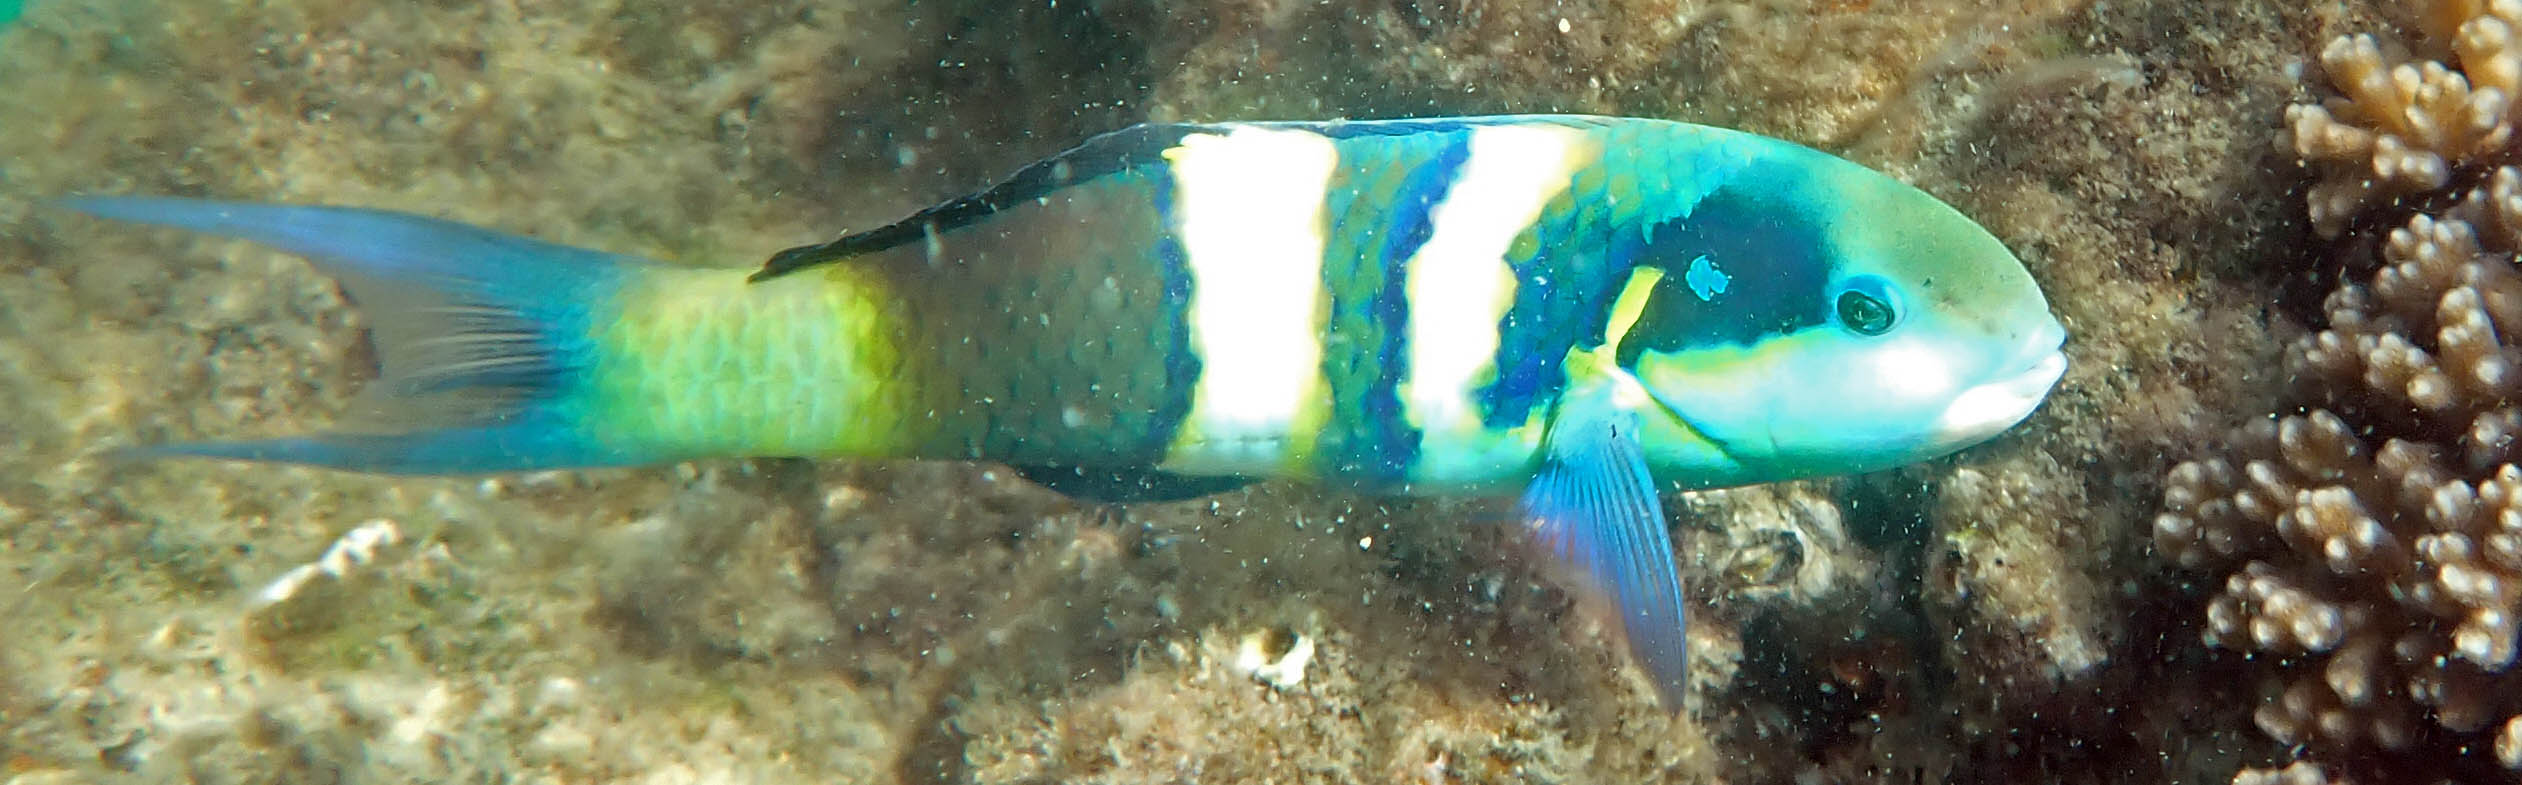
{"points": [[1593, 506]]}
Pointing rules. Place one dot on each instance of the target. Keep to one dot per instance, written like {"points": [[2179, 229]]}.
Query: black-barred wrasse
{"points": [[1585, 309]]}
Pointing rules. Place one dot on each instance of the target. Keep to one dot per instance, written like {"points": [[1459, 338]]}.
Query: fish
{"points": [[1579, 312]]}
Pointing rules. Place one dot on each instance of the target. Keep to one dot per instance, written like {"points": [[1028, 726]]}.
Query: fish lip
{"points": [[1986, 409]]}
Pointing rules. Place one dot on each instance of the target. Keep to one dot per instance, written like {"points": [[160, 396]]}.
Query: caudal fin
{"points": [[484, 337]]}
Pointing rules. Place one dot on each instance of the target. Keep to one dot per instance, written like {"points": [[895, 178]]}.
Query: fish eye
{"points": [[1866, 308]]}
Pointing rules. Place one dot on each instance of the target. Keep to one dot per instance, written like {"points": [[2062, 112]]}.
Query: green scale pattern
{"points": [[1571, 262], [1052, 331]]}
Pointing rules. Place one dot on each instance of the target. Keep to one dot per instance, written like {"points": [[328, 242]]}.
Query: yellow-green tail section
{"points": [[704, 362]]}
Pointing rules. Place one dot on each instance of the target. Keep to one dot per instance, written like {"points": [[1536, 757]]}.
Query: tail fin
{"points": [[484, 337]]}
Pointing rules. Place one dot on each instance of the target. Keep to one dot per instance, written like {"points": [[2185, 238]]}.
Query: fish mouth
{"points": [[1987, 409]]}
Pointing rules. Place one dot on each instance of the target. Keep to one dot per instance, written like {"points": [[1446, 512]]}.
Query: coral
{"points": [[2398, 126], [2372, 542], [2367, 537]]}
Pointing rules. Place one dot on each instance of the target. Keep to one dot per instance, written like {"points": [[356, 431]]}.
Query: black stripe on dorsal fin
{"points": [[1117, 151]]}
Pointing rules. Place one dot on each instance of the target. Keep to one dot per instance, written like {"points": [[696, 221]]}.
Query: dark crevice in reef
{"points": [[1834, 682], [1010, 82], [935, 753], [1894, 515]]}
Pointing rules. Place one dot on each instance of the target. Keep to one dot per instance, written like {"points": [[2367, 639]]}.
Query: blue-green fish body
{"points": [[1585, 308]]}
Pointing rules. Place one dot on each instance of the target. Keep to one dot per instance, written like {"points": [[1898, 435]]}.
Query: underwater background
{"points": [[2267, 530]]}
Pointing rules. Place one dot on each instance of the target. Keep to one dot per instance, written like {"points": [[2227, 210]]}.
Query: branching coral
{"points": [[2400, 126], [2370, 541], [2373, 541]]}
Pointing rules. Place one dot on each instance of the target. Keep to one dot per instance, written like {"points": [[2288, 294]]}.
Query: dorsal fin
{"points": [[1117, 151]]}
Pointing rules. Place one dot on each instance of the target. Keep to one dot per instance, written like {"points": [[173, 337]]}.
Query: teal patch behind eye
{"points": [[10, 10], [1705, 280]]}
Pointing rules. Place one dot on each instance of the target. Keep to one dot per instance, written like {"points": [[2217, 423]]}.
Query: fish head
{"points": [[1824, 318]]}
